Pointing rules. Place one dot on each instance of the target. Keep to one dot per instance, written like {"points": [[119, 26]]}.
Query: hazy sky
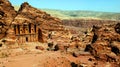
{"points": [[93, 5]]}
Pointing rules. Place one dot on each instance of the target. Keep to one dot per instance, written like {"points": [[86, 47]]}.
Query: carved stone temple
{"points": [[27, 32], [28, 24]]}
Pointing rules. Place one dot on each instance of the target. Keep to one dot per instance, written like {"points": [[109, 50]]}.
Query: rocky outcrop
{"points": [[7, 14], [29, 22], [105, 44], [29, 14], [36, 21], [87, 23], [33, 25], [117, 28]]}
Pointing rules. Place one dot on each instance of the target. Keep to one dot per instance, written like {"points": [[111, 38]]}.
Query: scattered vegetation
{"points": [[75, 14], [62, 14]]}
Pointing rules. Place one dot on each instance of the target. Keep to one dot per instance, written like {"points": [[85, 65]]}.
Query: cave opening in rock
{"points": [[2, 13], [115, 50]]}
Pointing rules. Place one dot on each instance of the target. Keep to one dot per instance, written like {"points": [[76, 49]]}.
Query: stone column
{"points": [[17, 29], [26, 29], [31, 38], [23, 39], [21, 29]]}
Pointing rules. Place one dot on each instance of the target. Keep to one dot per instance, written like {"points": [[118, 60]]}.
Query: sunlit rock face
{"points": [[27, 13], [7, 14], [105, 44], [32, 25]]}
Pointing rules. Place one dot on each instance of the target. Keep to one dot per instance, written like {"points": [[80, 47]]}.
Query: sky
{"points": [[91, 5]]}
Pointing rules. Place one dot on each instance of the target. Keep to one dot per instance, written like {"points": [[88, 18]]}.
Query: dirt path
{"points": [[46, 59], [34, 60]]}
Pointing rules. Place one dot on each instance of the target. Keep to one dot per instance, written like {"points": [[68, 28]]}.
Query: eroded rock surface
{"points": [[105, 44], [44, 34], [7, 14]]}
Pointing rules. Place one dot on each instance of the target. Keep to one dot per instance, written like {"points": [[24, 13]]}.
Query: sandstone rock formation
{"points": [[87, 23], [32, 25], [7, 14], [29, 14], [105, 44]]}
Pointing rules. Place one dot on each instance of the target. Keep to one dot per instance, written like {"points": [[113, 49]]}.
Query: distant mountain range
{"points": [[76, 14]]}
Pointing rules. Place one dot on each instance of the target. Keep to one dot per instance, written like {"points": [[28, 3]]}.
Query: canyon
{"points": [[31, 37]]}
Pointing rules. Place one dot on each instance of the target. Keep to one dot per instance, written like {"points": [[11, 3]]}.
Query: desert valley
{"points": [[31, 37]]}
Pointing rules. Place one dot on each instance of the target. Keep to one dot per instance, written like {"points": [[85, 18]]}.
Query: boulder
{"points": [[39, 47]]}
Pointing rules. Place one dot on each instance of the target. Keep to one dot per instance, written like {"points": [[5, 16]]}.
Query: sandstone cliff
{"points": [[29, 14], [105, 44], [7, 14], [87, 23]]}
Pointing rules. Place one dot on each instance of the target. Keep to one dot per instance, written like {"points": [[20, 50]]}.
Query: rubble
{"points": [[105, 44]]}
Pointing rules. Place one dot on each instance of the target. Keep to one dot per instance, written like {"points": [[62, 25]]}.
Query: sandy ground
{"points": [[46, 59], [49, 59], [28, 56]]}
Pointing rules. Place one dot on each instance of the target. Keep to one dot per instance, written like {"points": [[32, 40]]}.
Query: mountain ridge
{"points": [[78, 14]]}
